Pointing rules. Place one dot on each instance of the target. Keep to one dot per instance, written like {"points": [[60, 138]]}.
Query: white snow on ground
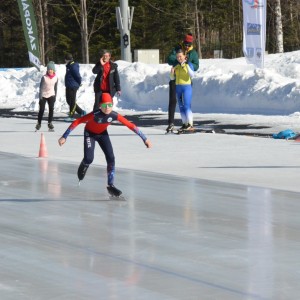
{"points": [[228, 86]]}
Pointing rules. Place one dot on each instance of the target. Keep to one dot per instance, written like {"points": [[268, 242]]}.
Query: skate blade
{"points": [[116, 198], [186, 132]]}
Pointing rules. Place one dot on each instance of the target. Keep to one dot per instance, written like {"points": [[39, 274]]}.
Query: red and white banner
{"points": [[254, 31]]}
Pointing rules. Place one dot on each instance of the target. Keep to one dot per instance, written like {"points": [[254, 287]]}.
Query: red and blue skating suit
{"points": [[96, 131]]}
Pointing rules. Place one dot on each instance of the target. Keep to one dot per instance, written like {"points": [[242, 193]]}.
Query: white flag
{"points": [[254, 31]]}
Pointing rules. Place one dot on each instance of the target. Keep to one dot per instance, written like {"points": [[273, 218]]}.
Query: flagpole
{"points": [[124, 21]]}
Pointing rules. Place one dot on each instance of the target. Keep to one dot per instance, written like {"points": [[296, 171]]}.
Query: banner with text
{"points": [[30, 31], [254, 31]]}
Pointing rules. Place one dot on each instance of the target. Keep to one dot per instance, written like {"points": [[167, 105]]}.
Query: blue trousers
{"points": [[184, 97], [105, 144]]}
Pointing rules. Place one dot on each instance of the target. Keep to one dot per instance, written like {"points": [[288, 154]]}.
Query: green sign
{"points": [[30, 31]]}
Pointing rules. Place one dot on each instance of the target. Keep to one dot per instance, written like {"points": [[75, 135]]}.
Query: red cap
{"points": [[106, 98], [188, 38]]}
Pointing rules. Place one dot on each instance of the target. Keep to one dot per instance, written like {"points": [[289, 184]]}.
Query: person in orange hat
{"points": [[95, 130], [191, 57]]}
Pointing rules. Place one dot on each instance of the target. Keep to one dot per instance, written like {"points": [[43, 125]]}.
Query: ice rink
{"points": [[173, 237]]}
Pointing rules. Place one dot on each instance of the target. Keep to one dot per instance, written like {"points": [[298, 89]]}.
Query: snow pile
{"points": [[220, 86]]}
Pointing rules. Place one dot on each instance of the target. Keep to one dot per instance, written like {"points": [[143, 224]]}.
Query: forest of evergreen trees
{"points": [[216, 24]]}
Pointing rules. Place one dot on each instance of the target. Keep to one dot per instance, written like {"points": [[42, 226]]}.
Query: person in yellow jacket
{"points": [[183, 74]]}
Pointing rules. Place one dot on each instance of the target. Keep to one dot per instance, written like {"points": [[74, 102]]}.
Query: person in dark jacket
{"points": [[192, 57], [72, 83], [107, 79]]}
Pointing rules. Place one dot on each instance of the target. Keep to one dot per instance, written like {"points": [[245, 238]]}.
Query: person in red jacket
{"points": [[107, 78], [96, 131]]}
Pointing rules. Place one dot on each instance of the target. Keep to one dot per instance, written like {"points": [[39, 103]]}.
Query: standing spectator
{"points": [[183, 73], [72, 83], [193, 58], [47, 93], [107, 79]]}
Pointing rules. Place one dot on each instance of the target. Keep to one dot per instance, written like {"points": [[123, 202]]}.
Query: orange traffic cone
{"points": [[43, 148]]}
